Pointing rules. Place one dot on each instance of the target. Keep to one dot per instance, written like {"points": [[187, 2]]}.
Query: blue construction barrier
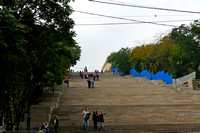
{"points": [[161, 75], [116, 70], [158, 76]]}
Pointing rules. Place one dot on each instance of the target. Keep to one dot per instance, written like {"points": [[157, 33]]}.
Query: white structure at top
{"points": [[184, 79]]}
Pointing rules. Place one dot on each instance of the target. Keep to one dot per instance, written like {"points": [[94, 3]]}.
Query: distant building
{"points": [[106, 66]]}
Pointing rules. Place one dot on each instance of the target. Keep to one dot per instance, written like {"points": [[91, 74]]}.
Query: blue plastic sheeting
{"points": [[161, 75], [116, 70], [158, 76]]}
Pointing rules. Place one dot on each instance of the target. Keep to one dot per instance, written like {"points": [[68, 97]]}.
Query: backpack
{"points": [[87, 117]]}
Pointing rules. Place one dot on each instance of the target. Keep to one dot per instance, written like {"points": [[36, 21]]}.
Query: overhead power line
{"points": [[92, 24], [125, 19], [147, 7], [138, 16]]}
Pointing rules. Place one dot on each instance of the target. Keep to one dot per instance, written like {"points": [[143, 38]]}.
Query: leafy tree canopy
{"points": [[36, 48], [120, 59], [177, 53]]}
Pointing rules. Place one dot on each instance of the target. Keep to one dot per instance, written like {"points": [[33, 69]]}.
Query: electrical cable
{"points": [[130, 23], [147, 7], [177, 15], [124, 18]]}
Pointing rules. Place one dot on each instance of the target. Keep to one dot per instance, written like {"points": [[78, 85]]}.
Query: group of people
{"points": [[91, 79], [44, 128], [97, 118], [90, 75], [81, 74], [91, 83]]}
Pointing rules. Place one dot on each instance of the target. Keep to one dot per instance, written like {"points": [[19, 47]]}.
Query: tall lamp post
{"points": [[28, 119], [29, 103]]}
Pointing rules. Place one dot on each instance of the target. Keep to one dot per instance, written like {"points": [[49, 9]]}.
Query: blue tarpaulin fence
{"points": [[158, 76], [116, 70], [161, 75]]}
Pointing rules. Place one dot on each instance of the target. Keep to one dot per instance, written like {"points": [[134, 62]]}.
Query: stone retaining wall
{"points": [[196, 84], [43, 111]]}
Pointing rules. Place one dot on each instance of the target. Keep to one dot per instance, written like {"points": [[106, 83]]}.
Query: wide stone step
{"points": [[20, 131], [39, 117], [52, 104], [186, 127], [52, 99], [41, 109], [133, 114], [142, 79], [159, 83], [57, 95], [182, 89], [23, 125]]}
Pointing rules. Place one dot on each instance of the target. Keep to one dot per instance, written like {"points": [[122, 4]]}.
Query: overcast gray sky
{"points": [[98, 41]]}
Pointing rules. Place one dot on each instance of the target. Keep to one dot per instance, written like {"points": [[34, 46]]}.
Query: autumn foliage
{"points": [[178, 53]]}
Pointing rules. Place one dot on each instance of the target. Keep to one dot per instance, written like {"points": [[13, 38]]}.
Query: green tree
{"points": [[195, 28], [136, 58], [188, 60], [13, 58], [154, 57], [177, 53], [37, 46], [76, 53], [120, 60]]}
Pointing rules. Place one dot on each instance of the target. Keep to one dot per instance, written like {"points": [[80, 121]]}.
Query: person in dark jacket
{"points": [[97, 77], [81, 75], [89, 83], [101, 121], [56, 123], [95, 119]]}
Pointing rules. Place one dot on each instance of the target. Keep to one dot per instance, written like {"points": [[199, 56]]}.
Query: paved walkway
{"points": [[129, 106]]}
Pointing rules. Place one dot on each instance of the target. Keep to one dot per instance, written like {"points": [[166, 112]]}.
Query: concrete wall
{"points": [[43, 111]]}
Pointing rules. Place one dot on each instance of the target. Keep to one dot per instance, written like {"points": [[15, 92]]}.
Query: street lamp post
{"points": [[28, 112], [28, 119]]}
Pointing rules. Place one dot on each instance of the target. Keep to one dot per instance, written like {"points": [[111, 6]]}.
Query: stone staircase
{"points": [[130, 105]]}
